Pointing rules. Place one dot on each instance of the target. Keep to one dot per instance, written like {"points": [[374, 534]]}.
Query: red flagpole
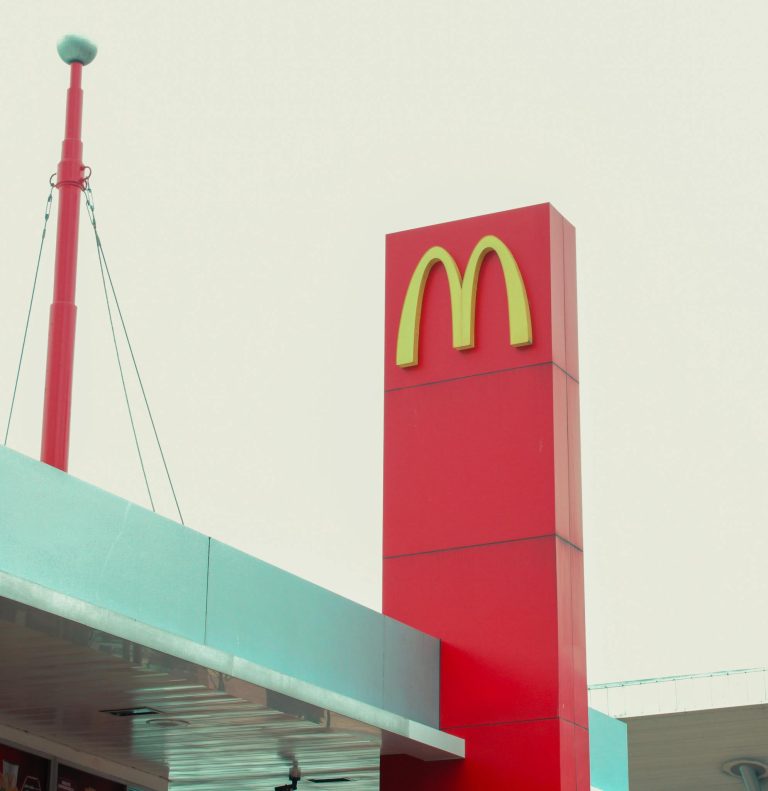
{"points": [[61, 329]]}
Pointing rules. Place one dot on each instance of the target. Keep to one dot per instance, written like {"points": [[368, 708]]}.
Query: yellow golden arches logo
{"points": [[463, 293]]}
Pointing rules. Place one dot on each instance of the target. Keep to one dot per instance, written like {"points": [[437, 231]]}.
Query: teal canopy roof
{"points": [[89, 558]]}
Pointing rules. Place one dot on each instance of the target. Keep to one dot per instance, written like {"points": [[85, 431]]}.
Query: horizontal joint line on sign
{"points": [[486, 544], [483, 373], [515, 722]]}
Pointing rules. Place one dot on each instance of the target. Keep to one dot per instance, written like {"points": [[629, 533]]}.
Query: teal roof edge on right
{"points": [[608, 753], [73, 538]]}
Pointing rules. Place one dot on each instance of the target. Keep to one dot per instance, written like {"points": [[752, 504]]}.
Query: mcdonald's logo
{"points": [[463, 294]]}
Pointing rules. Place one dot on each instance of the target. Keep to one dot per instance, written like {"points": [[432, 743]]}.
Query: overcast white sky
{"points": [[249, 157]]}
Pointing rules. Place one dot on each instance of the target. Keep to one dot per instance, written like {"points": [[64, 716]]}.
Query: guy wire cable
{"points": [[92, 217], [29, 309], [103, 263]]}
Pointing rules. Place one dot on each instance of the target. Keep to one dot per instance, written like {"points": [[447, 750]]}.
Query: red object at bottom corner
{"points": [[543, 755]]}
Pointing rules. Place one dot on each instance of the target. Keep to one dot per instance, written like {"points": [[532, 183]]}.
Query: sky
{"points": [[248, 159]]}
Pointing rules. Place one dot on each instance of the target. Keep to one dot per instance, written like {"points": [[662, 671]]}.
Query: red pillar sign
{"points": [[482, 510]]}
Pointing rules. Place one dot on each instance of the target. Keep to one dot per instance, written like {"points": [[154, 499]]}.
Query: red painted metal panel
{"points": [[571, 635], [564, 614], [579, 640], [471, 461], [571, 320], [574, 462], [495, 608], [545, 755], [581, 749], [557, 287], [482, 509], [561, 477]]}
